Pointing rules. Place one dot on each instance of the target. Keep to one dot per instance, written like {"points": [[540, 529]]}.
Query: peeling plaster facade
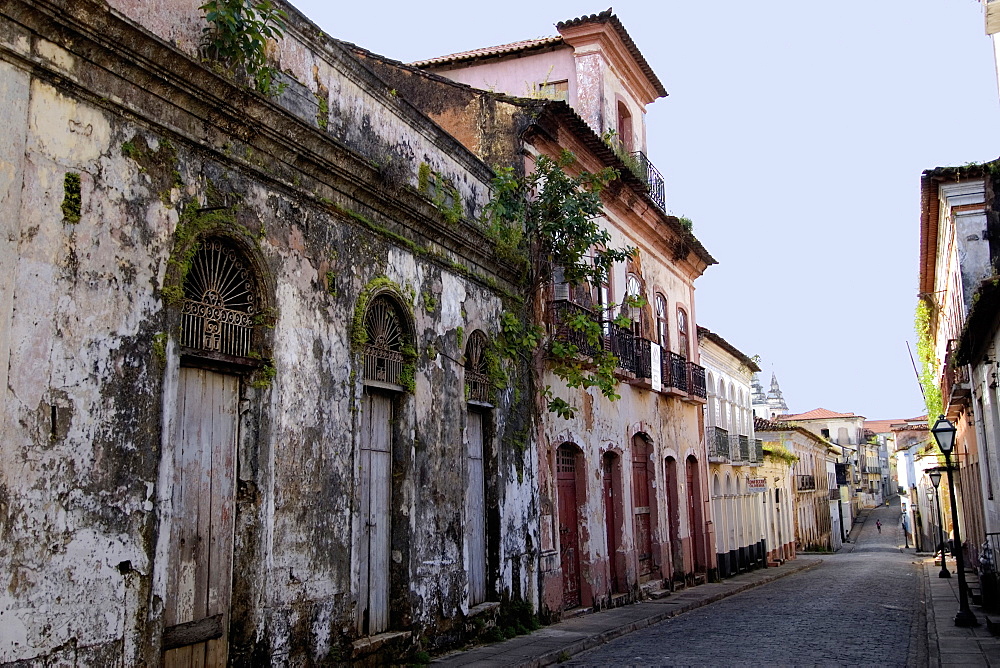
{"points": [[320, 192], [624, 504]]}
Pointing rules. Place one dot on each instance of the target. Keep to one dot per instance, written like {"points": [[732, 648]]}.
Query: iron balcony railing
{"points": [[620, 342], [744, 448], [758, 450], [806, 483], [675, 371], [643, 358], [952, 375], [834, 493], [734, 447], [718, 442], [698, 388], [564, 312], [650, 175]]}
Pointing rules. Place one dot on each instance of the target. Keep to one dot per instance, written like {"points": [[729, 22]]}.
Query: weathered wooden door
{"points": [[611, 519], [475, 510], [640, 506], [375, 494], [569, 542], [199, 575]]}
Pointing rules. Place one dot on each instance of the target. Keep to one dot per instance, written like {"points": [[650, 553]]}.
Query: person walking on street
{"points": [[878, 525]]}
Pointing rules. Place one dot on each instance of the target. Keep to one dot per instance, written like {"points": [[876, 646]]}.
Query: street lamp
{"points": [[944, 434], [935, 476]]}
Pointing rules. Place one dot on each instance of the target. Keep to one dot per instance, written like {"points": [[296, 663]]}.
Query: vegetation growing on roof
{"points": [[237, 36], [441, 191], [779, 453]]}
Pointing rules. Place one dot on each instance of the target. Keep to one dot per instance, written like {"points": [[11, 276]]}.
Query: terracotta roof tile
{"points": [[818, 414], [608, 17], [882, 426], [490, 51], [544, 42]]}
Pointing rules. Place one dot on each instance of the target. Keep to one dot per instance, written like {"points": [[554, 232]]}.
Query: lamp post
{"points": [[935, 476], [944, 434]]}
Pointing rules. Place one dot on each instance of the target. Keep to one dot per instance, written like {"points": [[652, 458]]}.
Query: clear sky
{"points": [[794, 137]]}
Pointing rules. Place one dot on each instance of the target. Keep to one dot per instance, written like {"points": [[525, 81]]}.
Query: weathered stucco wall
{"points": [[91, 399]]}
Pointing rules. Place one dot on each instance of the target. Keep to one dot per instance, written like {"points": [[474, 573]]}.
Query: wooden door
{"points": [[199, 575], [695, 523], [640, 506], [611, 519], [569, 542], [475, 510], [375, 495]]}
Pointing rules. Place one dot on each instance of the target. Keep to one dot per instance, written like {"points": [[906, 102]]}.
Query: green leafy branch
{"points": [[237, 36], [544, 221], [929, 374]]}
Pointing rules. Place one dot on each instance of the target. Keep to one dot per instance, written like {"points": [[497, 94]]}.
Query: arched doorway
{"points": [[478, 394], [696, 515], [674, 518], [721, 554], [642, 506], [569, 522], [611, 470], [217, 338], [386, 333]]}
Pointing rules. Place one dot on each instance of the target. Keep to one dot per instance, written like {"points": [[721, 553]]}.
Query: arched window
{"points": [[662, 322], [219, 301], [682, 333], [477, 380], [633, 290], [385, 338]]}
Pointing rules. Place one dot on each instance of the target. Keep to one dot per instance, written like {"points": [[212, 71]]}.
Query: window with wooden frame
{"points": [[220, 301], [633, 291], [662, 322], [624, 127], [554, 90], [682, 333]]}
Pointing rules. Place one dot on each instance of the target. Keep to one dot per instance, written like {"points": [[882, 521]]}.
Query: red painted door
{"points": [[611, 519], [640, 505], [569, 540]]}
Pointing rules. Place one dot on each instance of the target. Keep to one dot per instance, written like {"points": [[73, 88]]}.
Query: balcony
{"points": [[744, 448], [643, 358], [835, 494], [954, 379], [758, 451], [564, 314], [734, 448], [717, 440], [640, 165], [805, 483], [620, 342], [698, 388], [675, 371]]}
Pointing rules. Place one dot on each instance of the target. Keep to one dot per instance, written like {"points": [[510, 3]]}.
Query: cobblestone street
{"points": [[860, 607]]}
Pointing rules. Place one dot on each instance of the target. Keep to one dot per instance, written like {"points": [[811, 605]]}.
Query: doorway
{"points": [[200, 569], [569, 520]]}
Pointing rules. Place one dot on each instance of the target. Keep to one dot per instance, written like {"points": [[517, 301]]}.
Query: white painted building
{"points": [[735, 455]]}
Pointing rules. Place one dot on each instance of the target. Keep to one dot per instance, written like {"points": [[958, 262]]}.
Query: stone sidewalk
{"points": [[562, 640], [947, 644]]}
